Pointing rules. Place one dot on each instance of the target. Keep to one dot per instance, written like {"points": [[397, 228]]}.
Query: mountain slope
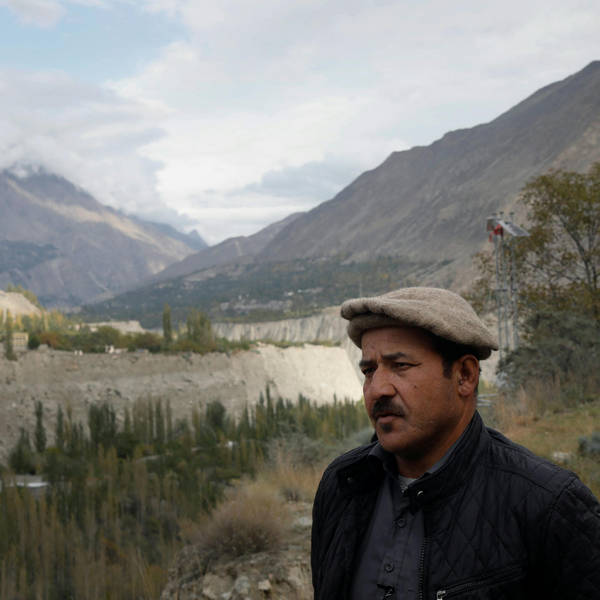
{"points": [[432, 201], [59, 242], [416, 219], [231, 250]]}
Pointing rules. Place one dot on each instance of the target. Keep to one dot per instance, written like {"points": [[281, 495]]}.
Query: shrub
{"points": [[253, 519], [590, 445], [50, 338], [33, 343], [147, 341], [560, 346]]}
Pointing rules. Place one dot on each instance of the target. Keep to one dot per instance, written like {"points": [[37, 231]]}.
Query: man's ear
{"points": [[467, 375]]}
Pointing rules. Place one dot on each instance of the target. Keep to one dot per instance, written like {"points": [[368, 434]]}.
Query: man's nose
{"points": [[381, 384]]}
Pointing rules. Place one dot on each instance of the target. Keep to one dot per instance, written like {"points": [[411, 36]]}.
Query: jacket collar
{"points": [[366, 472]]}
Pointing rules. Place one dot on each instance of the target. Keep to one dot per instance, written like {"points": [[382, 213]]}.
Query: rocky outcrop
{"points": [[283, 574], [186, 380]]}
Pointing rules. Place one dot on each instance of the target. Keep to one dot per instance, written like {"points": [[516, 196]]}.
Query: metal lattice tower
{"points": [[503, 232]]}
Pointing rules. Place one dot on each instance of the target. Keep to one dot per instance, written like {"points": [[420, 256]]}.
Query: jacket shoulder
{"points": [[350, 458]]}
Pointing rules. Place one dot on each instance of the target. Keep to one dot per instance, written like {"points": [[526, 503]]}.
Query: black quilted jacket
{"points": [[500, 524]]}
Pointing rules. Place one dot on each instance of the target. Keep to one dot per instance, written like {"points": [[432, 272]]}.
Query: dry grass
{"points": [[527, 406], [295, 482], [256, 514], [536, 419], [253, 518]]}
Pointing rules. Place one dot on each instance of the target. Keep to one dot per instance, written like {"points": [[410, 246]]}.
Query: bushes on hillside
{"points": [[560, 346]]}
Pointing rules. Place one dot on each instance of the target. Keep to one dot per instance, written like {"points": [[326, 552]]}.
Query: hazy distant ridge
{"points": [[62, 244]]}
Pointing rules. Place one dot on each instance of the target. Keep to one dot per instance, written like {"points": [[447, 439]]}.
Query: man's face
{"points": [[416, 410]]}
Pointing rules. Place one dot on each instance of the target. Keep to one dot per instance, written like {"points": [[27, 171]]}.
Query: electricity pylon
{"points": [[503, 232]]}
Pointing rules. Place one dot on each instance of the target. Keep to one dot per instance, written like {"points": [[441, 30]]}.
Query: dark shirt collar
{"points": [[363, 474]]}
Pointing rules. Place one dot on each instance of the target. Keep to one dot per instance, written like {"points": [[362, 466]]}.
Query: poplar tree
{"points": [[167, 328], [40, 431], [9, 351]]}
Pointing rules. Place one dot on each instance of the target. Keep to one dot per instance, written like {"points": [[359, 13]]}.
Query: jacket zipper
{"points": [[422, 570], [507, 574]]}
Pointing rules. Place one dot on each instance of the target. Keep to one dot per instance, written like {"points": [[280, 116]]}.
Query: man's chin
{"points": [[388, 423], [389, 437]]}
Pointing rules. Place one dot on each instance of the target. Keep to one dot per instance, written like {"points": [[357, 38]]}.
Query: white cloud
{"points": [[42, 13], [265, 107], [85, 133]]}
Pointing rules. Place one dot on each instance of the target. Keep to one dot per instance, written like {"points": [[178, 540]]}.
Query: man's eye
{"points": [[401, 365], [367, 371]]}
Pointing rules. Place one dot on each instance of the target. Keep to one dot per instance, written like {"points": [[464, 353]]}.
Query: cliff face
{"points": [[60, 378], [327, 326]]}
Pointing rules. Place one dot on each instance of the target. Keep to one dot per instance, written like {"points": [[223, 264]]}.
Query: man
{"points": [[442, 507]]}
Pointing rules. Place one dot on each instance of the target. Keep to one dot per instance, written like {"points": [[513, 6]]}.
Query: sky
{"points": [[226, 116]]}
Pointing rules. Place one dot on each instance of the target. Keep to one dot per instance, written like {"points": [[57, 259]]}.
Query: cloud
{"points": [[41, 13], [82, 132], [316, 180], [261, 93], [45, 13], [265, 108]]}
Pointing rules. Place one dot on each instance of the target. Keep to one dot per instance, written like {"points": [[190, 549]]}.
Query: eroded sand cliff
{"points": [[187, 380]]}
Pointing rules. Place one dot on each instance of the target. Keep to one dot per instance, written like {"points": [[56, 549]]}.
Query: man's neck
{"points": [[414, 467]]}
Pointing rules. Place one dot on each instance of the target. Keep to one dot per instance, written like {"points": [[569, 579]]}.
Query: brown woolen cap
{"points": [[438, 311]]}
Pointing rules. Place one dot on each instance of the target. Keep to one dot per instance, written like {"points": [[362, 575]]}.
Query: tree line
{"points": [[61, 333], [123, 488]]}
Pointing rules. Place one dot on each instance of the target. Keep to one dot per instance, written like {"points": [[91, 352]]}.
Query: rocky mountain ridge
{"points": [[431, 201], [59, 242]]}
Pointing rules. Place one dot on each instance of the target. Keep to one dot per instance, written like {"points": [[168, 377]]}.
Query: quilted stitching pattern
{"points": [[503, 508]]}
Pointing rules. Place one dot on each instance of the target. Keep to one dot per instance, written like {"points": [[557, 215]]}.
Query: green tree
{"points": [[40, 431], [9, 351], [559, 263], [199, 329], [167, 328], [21, 458], [59, 432]]}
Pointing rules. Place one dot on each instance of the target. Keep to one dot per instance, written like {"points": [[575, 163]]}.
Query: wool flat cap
{"points": [[438, 311]]}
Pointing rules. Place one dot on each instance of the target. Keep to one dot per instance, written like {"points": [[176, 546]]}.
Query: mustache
{"points": [[386, 406]]}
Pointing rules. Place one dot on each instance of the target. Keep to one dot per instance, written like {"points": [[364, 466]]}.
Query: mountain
{"points": [[432, 201], [417, 219], [193, 239], [59, 242], [231, 250]]}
